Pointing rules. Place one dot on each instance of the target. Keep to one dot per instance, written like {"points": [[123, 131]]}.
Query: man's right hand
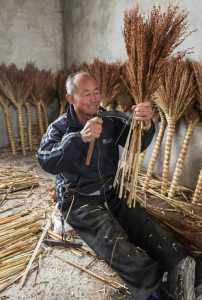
{"points": [[92, 130]]}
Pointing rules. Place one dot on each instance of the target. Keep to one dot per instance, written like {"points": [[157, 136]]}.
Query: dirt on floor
{"points": [[54, 278]]}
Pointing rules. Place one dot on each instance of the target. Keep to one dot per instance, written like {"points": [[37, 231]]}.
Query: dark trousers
{"points": [[114, 232]]}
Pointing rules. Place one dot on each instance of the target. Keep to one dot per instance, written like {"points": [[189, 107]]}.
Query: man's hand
{"points": [[144, 112], [92, 130]]}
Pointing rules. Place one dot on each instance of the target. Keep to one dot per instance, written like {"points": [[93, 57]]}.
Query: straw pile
{"points": [[13, 180], [149, 42], [18, 238]]}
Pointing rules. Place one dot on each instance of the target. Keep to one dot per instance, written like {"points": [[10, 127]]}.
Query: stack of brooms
{"points": [[25, 91], [171, 83]]}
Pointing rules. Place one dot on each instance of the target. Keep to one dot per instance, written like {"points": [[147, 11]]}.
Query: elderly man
{"points": [[89, 204]]}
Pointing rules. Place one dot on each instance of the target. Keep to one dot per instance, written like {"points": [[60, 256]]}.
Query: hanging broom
{"points": [[149, 41], [192, 121], [175, 95]]}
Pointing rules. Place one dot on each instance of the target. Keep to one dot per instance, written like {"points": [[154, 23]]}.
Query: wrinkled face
{"points": [[86, 96]]}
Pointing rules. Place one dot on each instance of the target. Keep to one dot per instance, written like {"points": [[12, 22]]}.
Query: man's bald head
{"points": [[76, 79]]}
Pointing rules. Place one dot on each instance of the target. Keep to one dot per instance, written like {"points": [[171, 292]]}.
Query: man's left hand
{"points": [[144, 112]]}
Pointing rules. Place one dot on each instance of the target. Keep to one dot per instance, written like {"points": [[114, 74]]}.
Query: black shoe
{"points": [[181, 280]]}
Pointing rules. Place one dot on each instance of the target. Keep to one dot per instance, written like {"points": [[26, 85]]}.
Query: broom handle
{"points": [[90, 152]]}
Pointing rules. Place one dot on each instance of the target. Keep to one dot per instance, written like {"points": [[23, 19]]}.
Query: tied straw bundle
{"points": [[175, 97], [149, 42]]}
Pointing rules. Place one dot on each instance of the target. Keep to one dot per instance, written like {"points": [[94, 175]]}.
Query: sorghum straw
{"points": [[175, 96], [156, 150], [192, 121], [149, 41]]}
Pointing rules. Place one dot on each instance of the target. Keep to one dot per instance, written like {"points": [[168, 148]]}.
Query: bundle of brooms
{"points": [[149, 42], [23, 90], [18, 238], [178, 207]]}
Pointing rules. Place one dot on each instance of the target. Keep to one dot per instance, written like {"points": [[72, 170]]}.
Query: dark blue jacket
{"points": [[62, 152]]}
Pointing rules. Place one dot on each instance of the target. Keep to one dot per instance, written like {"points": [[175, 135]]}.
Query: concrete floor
{"points": [[55, 279]]}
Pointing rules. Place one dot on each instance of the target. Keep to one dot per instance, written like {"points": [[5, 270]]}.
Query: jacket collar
{"points": [[72, 119]]}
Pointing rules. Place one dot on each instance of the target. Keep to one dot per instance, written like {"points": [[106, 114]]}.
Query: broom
{"points": [[155, 151], [192, 121], [149, 41], [175, 96]]}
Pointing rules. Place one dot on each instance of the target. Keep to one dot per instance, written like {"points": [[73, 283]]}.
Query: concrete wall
{"points": [[30, 31], [94, 29]]}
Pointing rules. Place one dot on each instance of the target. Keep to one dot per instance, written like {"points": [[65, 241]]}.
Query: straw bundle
{"points": [[108, 77], [13, 180], [149, 41], [175, 96], [192, 121], [155, 151], [18, 237]]}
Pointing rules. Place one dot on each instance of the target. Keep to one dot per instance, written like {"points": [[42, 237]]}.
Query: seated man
{"points": [[90, 205]]}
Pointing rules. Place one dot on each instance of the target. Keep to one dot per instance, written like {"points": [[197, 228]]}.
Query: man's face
{"points": [[86, 97]]}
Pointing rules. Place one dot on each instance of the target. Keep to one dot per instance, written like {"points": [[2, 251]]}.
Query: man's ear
{"points": [[69, 99]]}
